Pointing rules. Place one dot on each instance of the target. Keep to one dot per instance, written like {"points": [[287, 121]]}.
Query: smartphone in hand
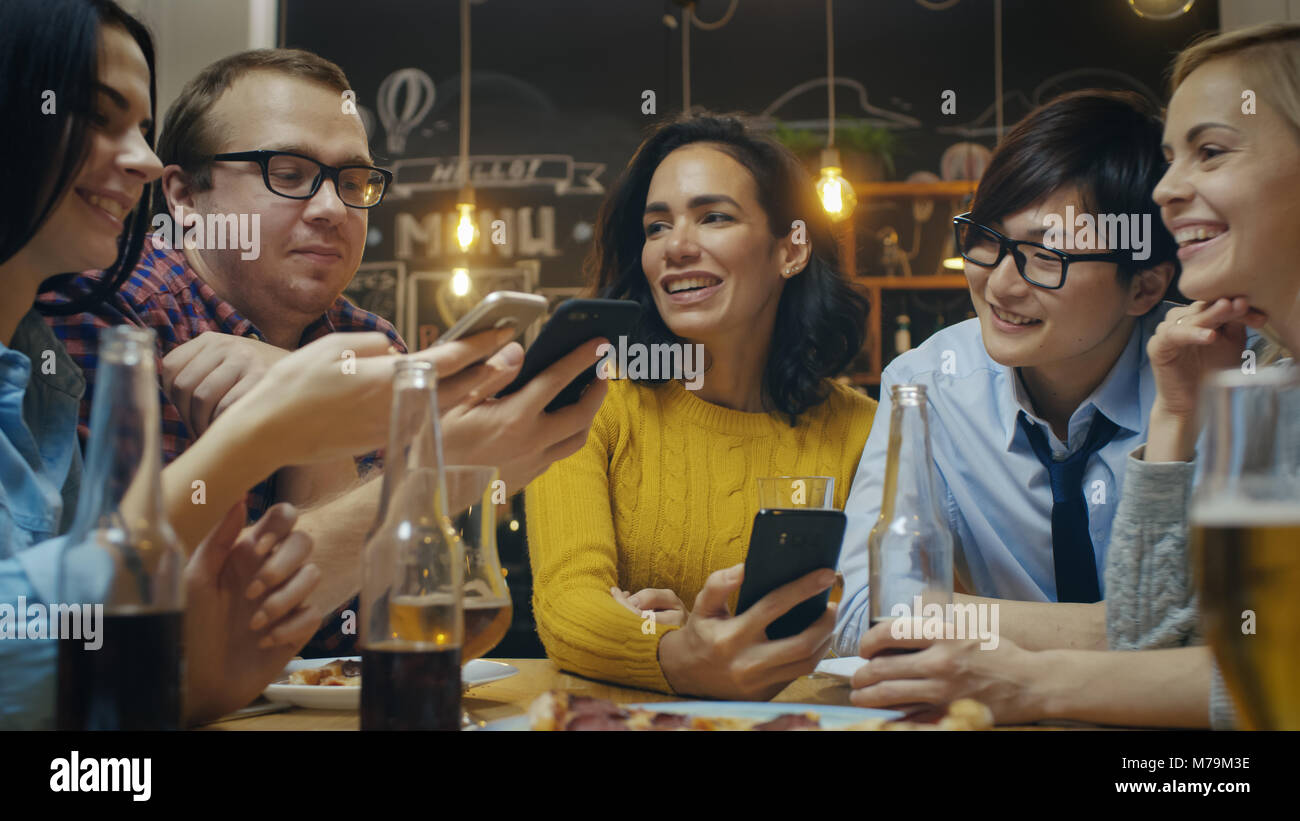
{"points": [[499, 309], [784, 545], [576, 321]]}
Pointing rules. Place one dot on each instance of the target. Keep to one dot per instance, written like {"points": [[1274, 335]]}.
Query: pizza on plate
{"points": [[337, 673], [557, 710]]}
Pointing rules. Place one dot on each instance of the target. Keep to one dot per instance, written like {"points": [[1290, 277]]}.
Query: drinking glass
{"points": [[1245, 541], [473, 492], [786, 492]]}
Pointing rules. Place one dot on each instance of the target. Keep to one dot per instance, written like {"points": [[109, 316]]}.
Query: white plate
{"points": [[831, 716], [313, 696]]}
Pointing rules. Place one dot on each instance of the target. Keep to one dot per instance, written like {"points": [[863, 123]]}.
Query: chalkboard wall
{"points": [[558, 91]]}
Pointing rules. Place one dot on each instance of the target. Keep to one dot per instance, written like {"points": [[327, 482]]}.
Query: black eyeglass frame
{"points": [[263, 158], [1006, 244]]}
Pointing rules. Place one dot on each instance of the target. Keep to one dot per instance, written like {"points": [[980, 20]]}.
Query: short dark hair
{"points": [[189, 137], [1107, 143], [820, 318], [54, 45]]}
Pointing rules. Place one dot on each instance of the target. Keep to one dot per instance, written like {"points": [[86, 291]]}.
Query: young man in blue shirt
{"points": [[1034, 406]]}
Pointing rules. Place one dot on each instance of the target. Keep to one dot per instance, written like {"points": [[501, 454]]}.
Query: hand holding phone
{"points": [[783, 546], [573, 323], [499, 309]]}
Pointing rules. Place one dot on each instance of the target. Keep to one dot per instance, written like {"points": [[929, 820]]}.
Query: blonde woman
{"points": [[1231, 197]]}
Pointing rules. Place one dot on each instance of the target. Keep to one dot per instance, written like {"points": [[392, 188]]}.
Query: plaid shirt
{"points": [[165, 294]]}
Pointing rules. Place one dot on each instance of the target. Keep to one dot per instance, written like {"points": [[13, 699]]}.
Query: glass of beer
{"points": [[473, 493], [1245, 540]]}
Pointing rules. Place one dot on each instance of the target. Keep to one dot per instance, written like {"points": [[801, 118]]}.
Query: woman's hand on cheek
{"points": [[1193, 341]]}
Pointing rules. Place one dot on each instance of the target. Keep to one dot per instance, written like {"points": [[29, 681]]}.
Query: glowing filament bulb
{"points": [[836, 194], [465, 231], [460, 281]]}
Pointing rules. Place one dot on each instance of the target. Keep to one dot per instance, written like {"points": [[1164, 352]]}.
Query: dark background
{"points": [[565, 78]]}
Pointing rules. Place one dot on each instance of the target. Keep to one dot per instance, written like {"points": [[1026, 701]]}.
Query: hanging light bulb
{"points": [[460, 281], [835, 192], [1160, 9], [466, 232]]}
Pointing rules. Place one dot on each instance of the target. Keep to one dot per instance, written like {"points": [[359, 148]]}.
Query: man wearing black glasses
{"points": [[1034, 406], [267, 139]]}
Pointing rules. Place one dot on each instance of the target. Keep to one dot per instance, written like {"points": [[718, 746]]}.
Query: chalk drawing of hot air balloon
{"points": [[414, 90]]}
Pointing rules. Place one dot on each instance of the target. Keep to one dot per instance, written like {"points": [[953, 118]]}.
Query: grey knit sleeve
{"points": [[1150, 595], [1223, 715]]}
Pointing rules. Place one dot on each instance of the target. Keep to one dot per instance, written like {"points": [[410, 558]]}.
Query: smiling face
{"points": [[713, 266], [1079, 328], [1229, 195], [83, 229], [310, 249]]}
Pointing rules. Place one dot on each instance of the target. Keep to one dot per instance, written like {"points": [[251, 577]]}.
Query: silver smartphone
{"points": [[499, 309]]}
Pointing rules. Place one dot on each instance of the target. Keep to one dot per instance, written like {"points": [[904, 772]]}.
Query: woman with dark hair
{"points": [[77, 108], [717, 233]]}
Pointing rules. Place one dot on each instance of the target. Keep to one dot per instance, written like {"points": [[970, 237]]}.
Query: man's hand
{"points": [[515, 433], [209, 373], [1004, 678], [718, 655], [245, 613], [333, 398]]}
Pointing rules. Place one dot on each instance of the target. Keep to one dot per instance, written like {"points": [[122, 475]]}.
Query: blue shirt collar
{"points": [[1118, 397]]}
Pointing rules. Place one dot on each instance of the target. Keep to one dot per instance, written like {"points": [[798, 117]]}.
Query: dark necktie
{"points": [[1072, 556]]}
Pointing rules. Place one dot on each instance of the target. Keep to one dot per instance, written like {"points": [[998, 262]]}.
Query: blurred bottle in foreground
{"points": [[412, 617], [122, 559]]}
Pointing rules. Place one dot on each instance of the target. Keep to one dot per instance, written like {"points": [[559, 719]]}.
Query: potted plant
{"points": [[866, 151]]}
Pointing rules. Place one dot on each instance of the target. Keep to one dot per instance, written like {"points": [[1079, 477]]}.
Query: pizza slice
{"points": [[558, 710]]}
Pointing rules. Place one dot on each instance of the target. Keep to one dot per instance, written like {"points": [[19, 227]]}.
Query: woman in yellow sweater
{"points": [[718, 234]]}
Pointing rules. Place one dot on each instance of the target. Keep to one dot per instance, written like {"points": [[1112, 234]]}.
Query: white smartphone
{"points": [[499, 309]]}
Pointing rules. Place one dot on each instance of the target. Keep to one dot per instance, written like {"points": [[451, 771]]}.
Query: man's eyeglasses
{"points": [[299, 177], [1037, 264]]}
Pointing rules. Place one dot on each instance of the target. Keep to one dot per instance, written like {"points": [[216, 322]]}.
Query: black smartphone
{"points": [[783, 546], [573, 323]]}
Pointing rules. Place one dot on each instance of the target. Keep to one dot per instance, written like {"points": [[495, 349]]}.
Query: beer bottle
{"points": [[412, 619], [122, 559], [910, 547]]}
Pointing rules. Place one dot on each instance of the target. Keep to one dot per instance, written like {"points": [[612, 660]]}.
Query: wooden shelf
{"points": [[873, 288], [948, 188], [937, 282]]}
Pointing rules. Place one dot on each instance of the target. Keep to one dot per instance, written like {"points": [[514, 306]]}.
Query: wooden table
{"points": [[511, 697]]}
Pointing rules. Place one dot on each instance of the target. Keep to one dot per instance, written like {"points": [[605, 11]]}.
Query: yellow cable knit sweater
{"points": [[663, 494]]}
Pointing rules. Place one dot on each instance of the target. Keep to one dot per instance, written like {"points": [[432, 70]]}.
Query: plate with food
{"points": [[558, 710], [335, 683]]}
